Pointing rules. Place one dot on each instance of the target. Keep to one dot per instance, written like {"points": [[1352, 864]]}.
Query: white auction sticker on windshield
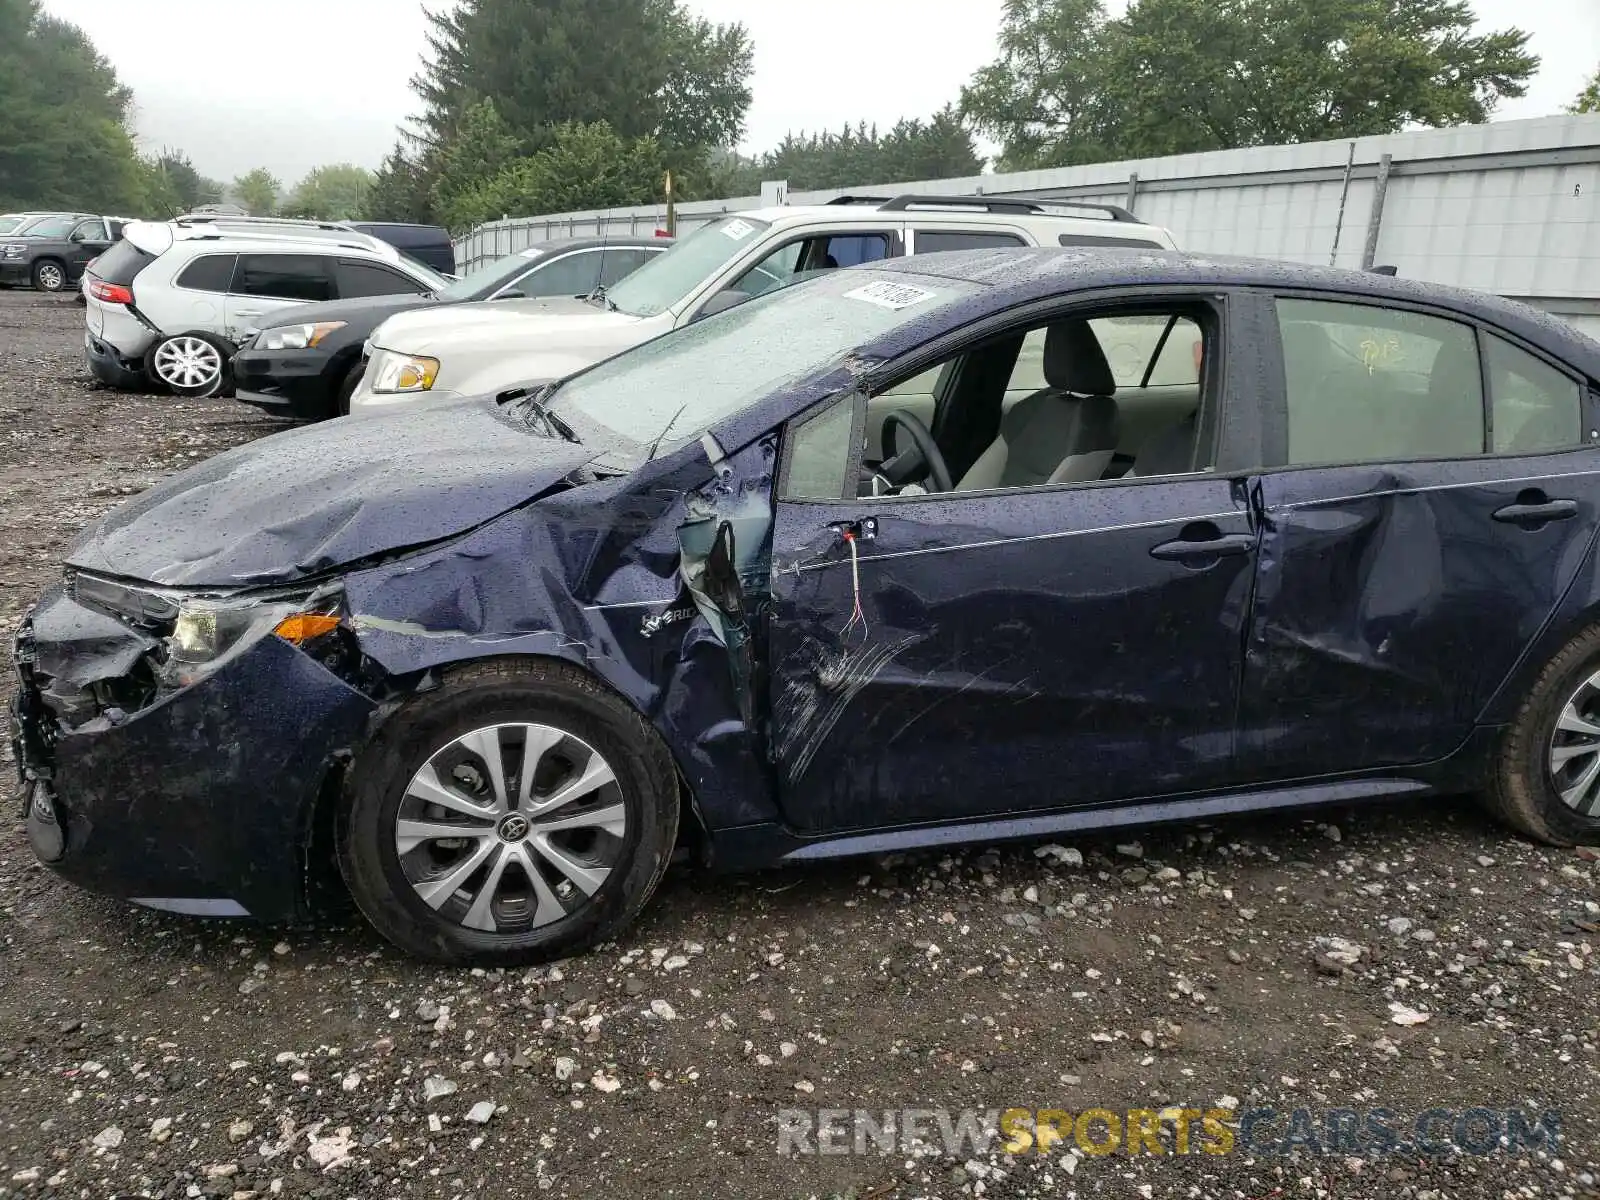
{"points": [[890, 295], [738, 230]]}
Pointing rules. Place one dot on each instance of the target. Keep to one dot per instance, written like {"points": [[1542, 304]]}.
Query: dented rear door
{"points": [[1394, 597]]}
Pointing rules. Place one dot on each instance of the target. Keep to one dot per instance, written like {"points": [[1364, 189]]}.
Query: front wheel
{"points": [[516, 813], [189, 364], [1546, 780], [49, 275]]}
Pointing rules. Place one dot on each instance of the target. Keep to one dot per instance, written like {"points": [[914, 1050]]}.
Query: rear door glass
{"points": [[283, 277]]}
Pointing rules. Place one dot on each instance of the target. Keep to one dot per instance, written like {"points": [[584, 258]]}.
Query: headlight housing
{"points": [[296, 337], [209, 634], [15, 251], [393, 373]]}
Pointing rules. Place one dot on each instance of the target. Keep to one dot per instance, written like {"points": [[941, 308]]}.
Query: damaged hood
{"points": [[306, 501], [466, 329]]}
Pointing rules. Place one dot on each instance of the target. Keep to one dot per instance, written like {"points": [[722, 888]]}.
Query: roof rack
{"points": [[229, 219], [1000, 203], [860, 200]]}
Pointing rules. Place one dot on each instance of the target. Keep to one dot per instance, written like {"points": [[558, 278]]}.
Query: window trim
{"points": [[184, 270], [914, 232], [1225, 312], [1277, 417], [238, 268]]}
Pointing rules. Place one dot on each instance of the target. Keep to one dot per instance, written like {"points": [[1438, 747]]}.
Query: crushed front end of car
{"points": [[172, 744]]}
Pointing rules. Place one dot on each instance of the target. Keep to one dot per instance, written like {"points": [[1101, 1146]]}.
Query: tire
{"points": [[50, 275], [1543, 751], [428, 897], [352, 380], [193, 364]]}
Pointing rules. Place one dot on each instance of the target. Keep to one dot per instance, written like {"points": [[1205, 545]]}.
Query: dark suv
{"points": [[51, 252]]}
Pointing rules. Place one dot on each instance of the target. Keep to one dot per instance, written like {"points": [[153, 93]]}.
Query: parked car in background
{"points": [[9, 222], [306, 362], [423, 356], [50, 252], [169, 303], [504, 659], [426, 243]]}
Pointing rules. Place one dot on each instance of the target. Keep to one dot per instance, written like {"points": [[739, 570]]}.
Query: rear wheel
{"points": [[517, 812], [189, 364], [49, 275], [1546, 781]]}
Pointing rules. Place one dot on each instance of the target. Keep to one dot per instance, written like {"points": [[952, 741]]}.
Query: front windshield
{"points": [[488, 279], [435, 281], [47, 227], [667, 278], [698, 375]]}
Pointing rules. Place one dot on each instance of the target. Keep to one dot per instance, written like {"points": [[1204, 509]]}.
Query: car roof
{"points": [[956, 210], [159, 237], [1017, 276]]}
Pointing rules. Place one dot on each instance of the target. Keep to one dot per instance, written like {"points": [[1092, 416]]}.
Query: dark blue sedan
{"points": [[961, 548]]}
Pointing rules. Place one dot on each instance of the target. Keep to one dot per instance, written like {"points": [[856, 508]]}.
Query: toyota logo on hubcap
{"points": [[514, 828]]}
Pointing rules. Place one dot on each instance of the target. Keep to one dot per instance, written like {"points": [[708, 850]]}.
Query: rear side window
{"points": [[935, 241], [1372, 384], [1536, 407], [283, 277], [121, 263], [357, 279], [208, 273], [1089, 239]]}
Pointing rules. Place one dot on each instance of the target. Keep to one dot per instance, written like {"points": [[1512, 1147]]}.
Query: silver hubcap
{"points": [[511, 827], [1575, 749], [50, 277], [188, 362]]}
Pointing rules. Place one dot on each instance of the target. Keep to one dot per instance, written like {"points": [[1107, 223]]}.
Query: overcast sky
{"points": [[291, 84]]}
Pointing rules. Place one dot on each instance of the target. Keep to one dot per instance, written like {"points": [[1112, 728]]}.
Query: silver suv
{"points": [[474, 349]]}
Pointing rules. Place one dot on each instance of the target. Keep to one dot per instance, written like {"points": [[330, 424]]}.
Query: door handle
{"points": [[1223, 545], [1533, 508]]}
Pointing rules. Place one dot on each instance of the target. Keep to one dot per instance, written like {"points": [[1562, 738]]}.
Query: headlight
{"points": [[392, 373], [209, 634], [296, 337], [15, 251]]}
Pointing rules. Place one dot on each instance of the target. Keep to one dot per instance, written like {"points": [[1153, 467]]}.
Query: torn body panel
{"points": [[1392, 605]]}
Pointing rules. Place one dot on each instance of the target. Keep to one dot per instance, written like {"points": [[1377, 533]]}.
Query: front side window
{"points": [[283, 277], [676, 387], [358, 279], [576, 274], [820, 455], [89, 231], [1365, 383], [1536, 407], [1158, 350], [811, 256], [673, 276]]}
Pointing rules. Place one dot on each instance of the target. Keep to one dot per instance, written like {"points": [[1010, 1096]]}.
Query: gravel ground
{"points": [[1285, 961]]}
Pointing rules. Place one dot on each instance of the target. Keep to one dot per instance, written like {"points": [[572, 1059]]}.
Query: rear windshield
{"points": [[121, 263]]}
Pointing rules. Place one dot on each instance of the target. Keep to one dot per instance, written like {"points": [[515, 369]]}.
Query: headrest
{"points": [[1074, 362]]}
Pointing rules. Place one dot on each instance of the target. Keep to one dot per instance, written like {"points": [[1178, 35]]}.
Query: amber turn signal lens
{"points": [[302, 627]]}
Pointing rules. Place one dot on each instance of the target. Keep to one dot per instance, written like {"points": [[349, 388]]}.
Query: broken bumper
{"points": [[202, 800]]}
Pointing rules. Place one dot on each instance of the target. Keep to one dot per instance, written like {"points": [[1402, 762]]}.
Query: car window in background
{"points": [[358, 279], [8, 224], [435, 281], [936, 241], [575, 274], [89, 231], [668, 280], [617, 264], [1536, 407], [208, 273], [784, 265], [1372, 384], [283, 277], [47, 227], [713, 368], [488, 279]]}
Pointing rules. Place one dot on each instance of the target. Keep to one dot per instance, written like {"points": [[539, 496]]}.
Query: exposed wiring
{"points": [[858, 619]]}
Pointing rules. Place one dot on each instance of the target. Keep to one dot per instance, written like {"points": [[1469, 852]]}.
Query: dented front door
{"points": [[955, 657]]}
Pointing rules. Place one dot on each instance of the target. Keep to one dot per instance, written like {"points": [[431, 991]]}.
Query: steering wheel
{"points": [[922, 461]]}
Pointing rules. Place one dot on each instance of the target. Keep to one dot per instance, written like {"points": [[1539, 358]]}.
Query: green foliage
{"points": [[583, 167], [63, 142], [1177, 76], [331, 193], [186, 187], [257, 192], [478, 150], [1588, 100], [401, 191], [940, 148]]}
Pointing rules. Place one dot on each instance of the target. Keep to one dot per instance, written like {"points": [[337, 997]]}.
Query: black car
{"points": [[50, 252], [428, 244], [1267, 536], [308, 361]]}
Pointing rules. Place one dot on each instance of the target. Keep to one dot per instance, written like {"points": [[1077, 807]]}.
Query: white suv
{"points": [[170, 302], [477, 349]]}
